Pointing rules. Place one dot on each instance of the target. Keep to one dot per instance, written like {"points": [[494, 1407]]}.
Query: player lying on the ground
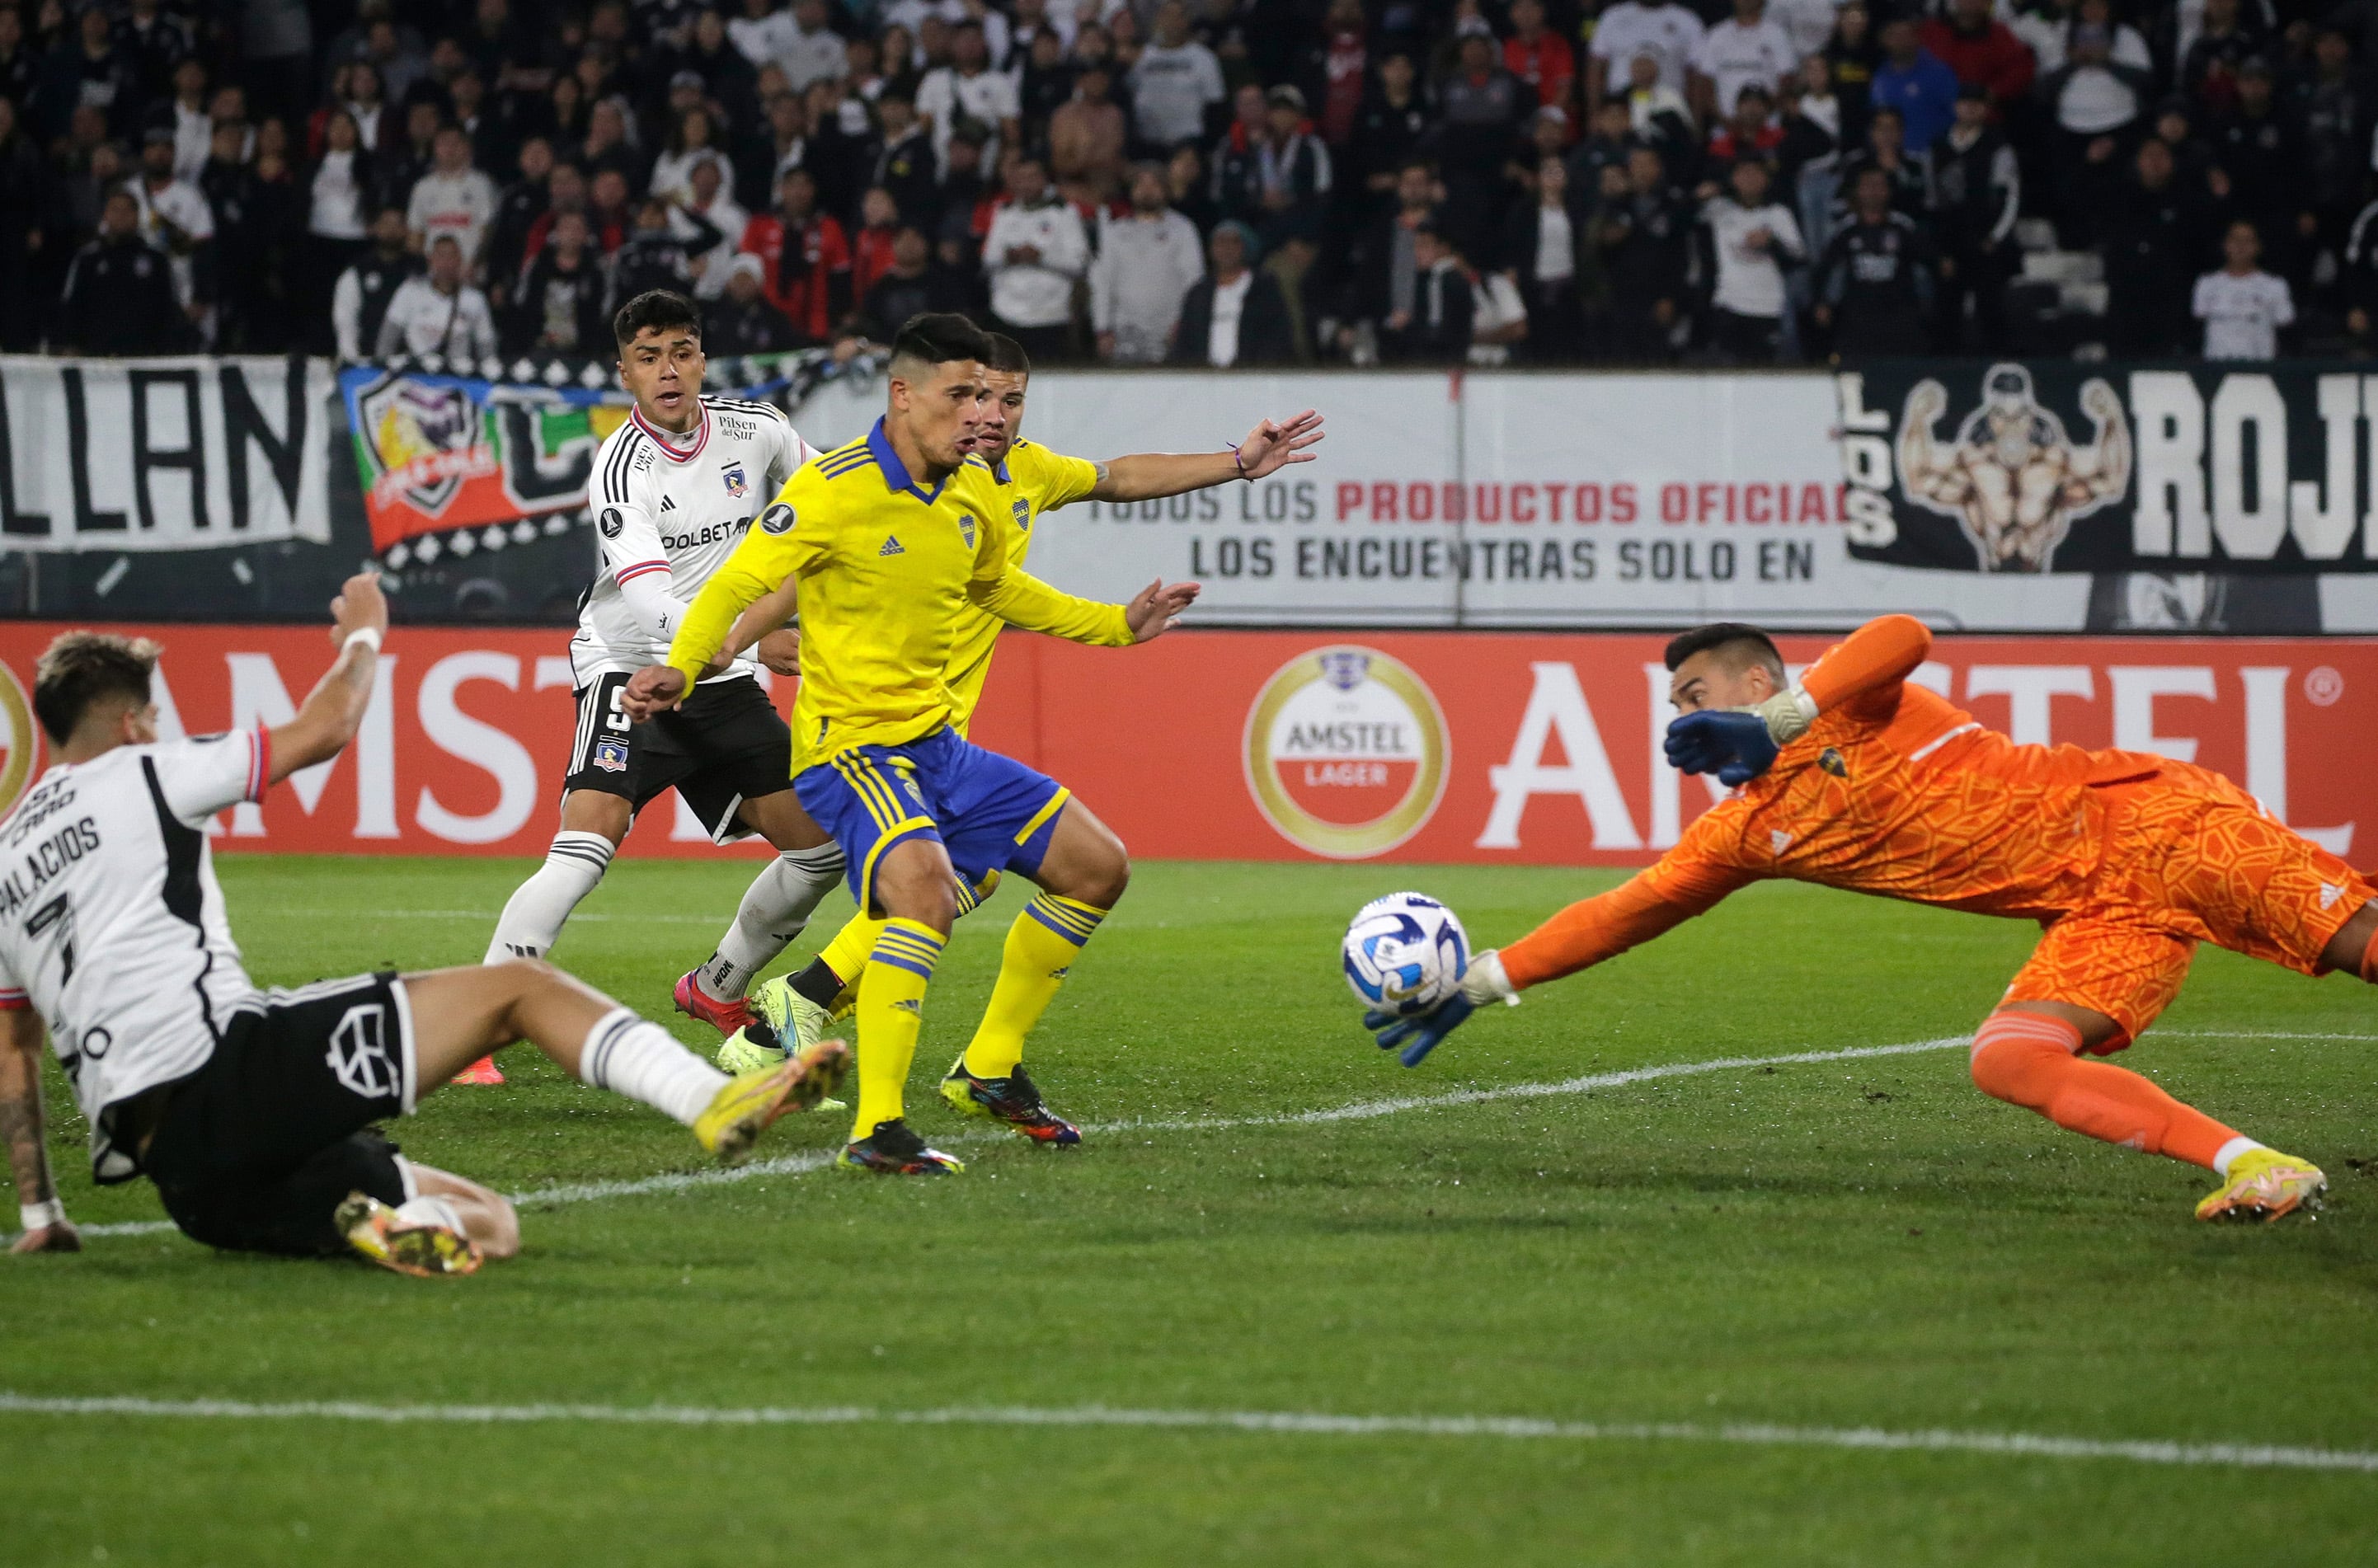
{"points": [[889, 539], [253, 1111], [792, 1012], [674, 489], [1858, 779]]}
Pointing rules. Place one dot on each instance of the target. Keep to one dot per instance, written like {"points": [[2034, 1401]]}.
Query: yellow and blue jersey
{"points": [[889, 574], [1032, 479]]}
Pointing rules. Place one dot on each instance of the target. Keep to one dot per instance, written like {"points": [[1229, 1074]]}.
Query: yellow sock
{"points": [[847, 953], [891, 1010], [1040, 947]]}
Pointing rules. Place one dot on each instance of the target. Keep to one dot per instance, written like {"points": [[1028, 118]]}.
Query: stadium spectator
{"points": [[1088, 135], [176, 221], [967, 89], [914, 284], [1147, 259], [710, 211], [91, 72], [119, 296], [1908, 174], [1546, 247], [902, 161], [518, 208], [1657, 115], [1874, 288], [1914, 81], [1274, 175], [1174, 82], [1642, 234], [2259, 151], [2155, 233], [2097, 96], [1745, 48], [741, 320], [1976, 196], [813, 52], [805, 258], [1542, 59], [1749, 239], [439, 312], [1390, 130], [1234, 315], [188, 118], [452, 198], [1851, 61], [562, 309], [2243, 307], [871, 244], [2209, 66], [1981, 51], [1034, 254], [1335, 72], [656, 257], [1667, 30], [1437, 330], [691, 143], [359, 302]]}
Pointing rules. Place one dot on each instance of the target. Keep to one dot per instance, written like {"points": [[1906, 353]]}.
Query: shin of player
{"points": [[254, 1112]]}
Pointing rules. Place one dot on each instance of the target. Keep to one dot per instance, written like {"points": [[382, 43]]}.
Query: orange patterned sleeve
{"points": [[1688, 879], [1871, 661]]}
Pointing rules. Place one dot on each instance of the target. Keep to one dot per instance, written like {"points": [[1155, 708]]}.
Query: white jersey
{"points": [[668, 510], [2242, 315], [111, 927]]}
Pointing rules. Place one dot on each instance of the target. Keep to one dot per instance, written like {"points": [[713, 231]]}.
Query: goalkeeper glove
{"points": [[1738, 744], [1482, 982]]}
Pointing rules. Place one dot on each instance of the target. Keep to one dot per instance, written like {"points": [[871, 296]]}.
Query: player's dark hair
{"points": [[938, 337], [1006, 354], [1736, 639], [80, 668], [663, 308]]}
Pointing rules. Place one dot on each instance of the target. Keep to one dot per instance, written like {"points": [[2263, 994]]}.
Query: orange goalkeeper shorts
{"points": [[2190, 857]]}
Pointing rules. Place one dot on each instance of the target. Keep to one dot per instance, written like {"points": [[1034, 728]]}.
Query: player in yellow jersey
{"points": [[886, 542], [794, 1011]]}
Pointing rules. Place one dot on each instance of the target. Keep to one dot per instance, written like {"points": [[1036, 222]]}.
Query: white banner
{"points": [[1486, 500], [163, 454]]}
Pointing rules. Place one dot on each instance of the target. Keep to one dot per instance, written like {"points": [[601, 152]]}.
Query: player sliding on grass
{"points": [[796, 1010], [674, 489], [252, 1111], [887, 540], [1856, 779]]}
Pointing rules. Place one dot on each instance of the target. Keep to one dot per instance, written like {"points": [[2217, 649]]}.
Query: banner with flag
{"points": [[457, 462]]}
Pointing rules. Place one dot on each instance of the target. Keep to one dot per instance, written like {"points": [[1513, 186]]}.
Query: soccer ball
{"points": [[1405, 953]]}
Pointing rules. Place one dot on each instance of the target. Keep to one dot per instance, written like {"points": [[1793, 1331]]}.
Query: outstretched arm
{"points": [[1021, 599], [335, 707], [44, 1220], [1269, 446]]}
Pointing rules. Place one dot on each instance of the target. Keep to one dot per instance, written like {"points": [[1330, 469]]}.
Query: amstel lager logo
{"points": [[1346, 752], [20, 745]]}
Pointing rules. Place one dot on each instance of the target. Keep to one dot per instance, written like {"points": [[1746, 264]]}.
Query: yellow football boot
{"points": [[426, 1249], [2265, 1184], [743, 1109]]}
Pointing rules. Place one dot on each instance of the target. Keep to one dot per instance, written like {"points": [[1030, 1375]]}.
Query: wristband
{"points": [[367, 635], [40, 1216], [1238, 463]]}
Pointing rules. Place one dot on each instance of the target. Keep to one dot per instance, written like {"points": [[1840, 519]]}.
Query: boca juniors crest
{"points": [[1346, 752]]}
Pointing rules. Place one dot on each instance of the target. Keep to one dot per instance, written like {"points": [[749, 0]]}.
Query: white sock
{"points": [[428, 1209], [534, 915], [634, 1057], [776, 906], [2228, 1151]]}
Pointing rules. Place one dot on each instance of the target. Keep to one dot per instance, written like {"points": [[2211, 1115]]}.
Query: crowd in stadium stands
{"points": [[1198, 182]]}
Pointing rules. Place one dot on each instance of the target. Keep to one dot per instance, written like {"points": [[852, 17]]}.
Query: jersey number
{"points": [[59, 914]]}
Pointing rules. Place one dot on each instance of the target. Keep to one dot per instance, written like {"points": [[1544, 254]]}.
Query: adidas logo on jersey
{"points": [[668, 504], [2329, 893], [1778, 840], [892, 547]]}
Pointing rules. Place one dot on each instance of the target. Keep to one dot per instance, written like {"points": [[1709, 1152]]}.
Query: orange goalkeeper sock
{"points": [[2028, 1058]]}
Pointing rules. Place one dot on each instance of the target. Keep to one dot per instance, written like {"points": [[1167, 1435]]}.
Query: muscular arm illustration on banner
{"points": [[2012, 478]]}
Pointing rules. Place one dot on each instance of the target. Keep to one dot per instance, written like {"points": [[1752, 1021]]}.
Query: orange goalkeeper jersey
{"points": [[1892, 790]]}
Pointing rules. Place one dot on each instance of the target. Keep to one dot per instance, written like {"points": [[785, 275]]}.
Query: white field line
{"points": [[491, 916], [1268, 1422], [1358, 1110]]}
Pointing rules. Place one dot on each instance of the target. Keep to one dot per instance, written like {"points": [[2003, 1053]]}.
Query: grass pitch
{"points": [[1864, 1243]]}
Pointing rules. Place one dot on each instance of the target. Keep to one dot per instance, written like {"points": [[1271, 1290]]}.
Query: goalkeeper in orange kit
{"points": [[1856, 779]]}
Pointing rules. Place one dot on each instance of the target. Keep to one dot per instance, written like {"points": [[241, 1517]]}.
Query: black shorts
{"points": [[256, 1150], [723, 745]]}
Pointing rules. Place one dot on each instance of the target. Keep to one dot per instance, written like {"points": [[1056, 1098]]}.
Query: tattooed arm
{"points": [[20, 1129]]}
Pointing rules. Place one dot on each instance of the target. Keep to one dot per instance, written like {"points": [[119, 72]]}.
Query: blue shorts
{"points": [[990, 812]]}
